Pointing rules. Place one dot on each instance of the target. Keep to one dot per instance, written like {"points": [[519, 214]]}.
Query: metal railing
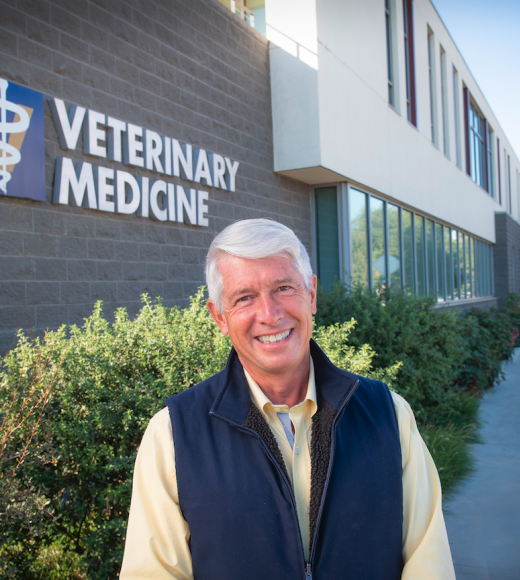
{"points": [[239, 8]]}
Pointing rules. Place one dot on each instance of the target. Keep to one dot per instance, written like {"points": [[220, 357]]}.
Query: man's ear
{"points": [[314, 294], [217, 317]]}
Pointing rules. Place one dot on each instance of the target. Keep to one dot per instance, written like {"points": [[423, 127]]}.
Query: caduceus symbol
{"points": [[9, 155]]}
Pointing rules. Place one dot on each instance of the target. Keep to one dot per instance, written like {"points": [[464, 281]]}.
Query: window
{"points": [[490, 149], [420, 255], [444, 99], [327, 236], [392, 246], [430, 255], [358, 233], [472, 260], [477, 147], [467, 258], [378, 246], [462, 265], [433, 91], [448, 263], [409, 61], [456, 113], [408, 250], [440, 255], [455, 259], [388, 21]]}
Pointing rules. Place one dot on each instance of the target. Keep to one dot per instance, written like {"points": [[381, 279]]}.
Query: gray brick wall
{"points": [[506, 270], [185, 68]]}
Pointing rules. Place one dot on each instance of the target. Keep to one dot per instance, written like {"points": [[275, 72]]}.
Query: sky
{"points": [[487, 34]]}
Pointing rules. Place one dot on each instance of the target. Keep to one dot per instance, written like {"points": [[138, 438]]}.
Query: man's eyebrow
{"points": [[247, 290], [282, 281], [243, 290]]}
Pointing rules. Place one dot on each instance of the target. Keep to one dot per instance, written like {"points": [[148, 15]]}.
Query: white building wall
{"points": [[348, 131]]}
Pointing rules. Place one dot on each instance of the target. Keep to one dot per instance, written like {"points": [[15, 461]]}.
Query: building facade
{"points": [[184, 71], [410, 168], [134, 131]]}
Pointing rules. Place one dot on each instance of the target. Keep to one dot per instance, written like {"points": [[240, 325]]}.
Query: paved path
{"points": [[483, 517]]}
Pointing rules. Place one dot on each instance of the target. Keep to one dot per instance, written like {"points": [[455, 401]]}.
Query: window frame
{"points": [[476, 142], [432, 76], [456, 112], [389, 53], [444, 104], [408, 33], [478, 282]]}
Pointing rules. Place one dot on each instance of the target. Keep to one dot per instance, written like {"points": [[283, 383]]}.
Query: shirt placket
{"points": [[301, 469]]}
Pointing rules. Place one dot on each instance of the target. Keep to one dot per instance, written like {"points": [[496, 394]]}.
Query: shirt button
{"points": [[297, 450], [307, 510]]}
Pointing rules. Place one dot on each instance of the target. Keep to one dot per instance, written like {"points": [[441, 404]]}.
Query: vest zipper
{"points": [[287, 483], [308, 565], [329, 470]]}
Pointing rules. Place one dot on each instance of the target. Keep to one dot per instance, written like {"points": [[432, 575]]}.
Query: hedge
{"points": [[75, 404]]}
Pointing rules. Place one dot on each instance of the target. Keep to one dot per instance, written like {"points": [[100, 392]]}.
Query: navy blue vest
{"points": [[239, 504]]}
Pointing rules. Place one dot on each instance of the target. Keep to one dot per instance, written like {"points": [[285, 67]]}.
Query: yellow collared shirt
{"points": [[157, 535]]}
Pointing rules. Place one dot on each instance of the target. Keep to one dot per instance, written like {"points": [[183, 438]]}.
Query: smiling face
{"points": [[267, 312]]}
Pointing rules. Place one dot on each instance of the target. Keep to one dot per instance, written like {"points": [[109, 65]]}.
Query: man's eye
{"points": [[283, 288], [243, 299]]}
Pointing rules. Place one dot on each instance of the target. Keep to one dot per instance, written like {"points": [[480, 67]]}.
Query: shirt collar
{"points": [[260, 399]]}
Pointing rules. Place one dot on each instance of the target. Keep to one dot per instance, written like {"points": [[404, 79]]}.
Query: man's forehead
{"points": [[242, 273], [230, 264]]}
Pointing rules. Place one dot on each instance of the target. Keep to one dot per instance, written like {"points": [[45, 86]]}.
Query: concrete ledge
{"points": [[484, 303]]}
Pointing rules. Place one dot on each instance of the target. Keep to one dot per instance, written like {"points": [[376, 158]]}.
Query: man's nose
{"points": [[268, 310]]}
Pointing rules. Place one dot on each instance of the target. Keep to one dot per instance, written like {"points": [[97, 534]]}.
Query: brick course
{"points": [[188, 69]]}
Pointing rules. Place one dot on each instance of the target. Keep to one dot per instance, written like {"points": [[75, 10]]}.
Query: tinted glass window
{"points": [[358, 233], [327, 236]]}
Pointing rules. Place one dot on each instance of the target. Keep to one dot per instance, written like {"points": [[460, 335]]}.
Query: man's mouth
{"points": [[270, 338]]}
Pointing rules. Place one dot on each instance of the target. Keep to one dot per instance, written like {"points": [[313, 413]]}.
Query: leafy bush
{"points": [[111, 380], [75, 406], [490, 339], [513, 310], [402, 327], [25, 440], [108, 381], [447, 360]]}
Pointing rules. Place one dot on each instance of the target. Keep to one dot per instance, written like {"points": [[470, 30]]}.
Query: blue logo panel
{"points": [[22, 145]]}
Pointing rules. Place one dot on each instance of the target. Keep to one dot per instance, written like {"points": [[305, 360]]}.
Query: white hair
{"points": [[254, 239]]}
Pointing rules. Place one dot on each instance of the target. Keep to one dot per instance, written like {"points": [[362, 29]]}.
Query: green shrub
{"points": [[108, 381], [82, 398], [25, 445], [112, 379], [490, 341], [513, 310], [402, 327]]}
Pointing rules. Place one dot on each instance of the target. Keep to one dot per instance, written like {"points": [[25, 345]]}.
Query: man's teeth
{"points": [[274, 337]]}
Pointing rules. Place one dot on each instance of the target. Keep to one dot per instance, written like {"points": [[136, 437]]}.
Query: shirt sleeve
{"points": [[426, 551], [157, 537]]}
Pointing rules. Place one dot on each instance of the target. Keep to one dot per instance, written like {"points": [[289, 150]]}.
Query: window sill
{"points": [[464, 301]]}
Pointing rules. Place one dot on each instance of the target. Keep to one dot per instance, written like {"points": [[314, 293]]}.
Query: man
{"points": [[281, 466]]}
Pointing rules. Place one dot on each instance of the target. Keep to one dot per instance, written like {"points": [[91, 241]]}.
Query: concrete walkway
{"points": [[483, 518]]}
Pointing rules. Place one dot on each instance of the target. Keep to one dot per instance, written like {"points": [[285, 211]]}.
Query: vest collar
{"points": [[233, 400]]}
